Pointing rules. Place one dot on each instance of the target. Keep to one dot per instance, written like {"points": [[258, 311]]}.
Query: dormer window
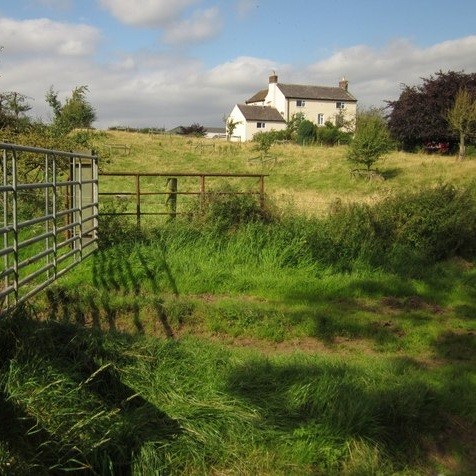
{"points": [[340, 105], [300, 103]]}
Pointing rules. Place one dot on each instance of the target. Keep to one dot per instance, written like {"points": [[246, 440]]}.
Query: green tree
{"points": [[371, 140], [264, 141], [293, 124], [230, 126], [462, 118], [13, 109], [306, 132], [75, 113]]}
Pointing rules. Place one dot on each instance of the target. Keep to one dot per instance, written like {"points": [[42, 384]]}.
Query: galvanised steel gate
{"points": [[48, 217]]}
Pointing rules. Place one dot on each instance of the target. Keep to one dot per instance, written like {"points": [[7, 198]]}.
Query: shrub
{"points": [[403, 233], [116, 229], [431, 225], [328, 135], [371, 141], [225, 210], [306, 133]]}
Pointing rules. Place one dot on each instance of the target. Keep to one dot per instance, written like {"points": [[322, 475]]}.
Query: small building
{"points": [[252, 119], [270, 109], [215, 133]]}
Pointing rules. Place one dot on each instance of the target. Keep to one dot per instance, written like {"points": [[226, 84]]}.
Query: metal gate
{"points": [[48, 217]]}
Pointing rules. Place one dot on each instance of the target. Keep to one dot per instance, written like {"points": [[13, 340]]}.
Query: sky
{"points": [[165, 63]]}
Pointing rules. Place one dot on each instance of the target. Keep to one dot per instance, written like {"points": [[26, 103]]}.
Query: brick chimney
{"points": [[273, 79], [344, 84]]}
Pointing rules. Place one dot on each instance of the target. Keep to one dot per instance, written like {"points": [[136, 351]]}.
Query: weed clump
{"points": [[227, 210], [402, 233]]}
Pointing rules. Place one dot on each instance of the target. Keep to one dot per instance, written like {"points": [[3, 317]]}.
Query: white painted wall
{"points": [[240, 130], [247, 129], [328, 108]]}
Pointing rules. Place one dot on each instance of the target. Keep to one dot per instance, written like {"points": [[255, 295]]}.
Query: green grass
{"points": [[308, 179], [338, 344]]}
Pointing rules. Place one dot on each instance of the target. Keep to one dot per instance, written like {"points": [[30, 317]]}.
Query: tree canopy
{"points": [[13, 109], [419, 115], [462, 118], [371, 140], [194, 129], [75, 113]]}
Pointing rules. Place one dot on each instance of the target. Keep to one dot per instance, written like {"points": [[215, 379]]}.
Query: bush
{"points": [[328, 135], [371, 141], [403, 233], [226, 210], [306, 133], [431, 225], [116, 229]]}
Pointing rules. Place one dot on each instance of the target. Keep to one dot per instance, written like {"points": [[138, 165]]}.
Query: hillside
{"points": [[310, 179], [315, 338]]}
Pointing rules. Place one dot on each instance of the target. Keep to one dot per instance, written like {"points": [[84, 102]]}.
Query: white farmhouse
{"points": [[270, 109]]}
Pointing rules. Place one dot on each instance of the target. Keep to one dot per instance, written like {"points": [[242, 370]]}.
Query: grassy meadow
{"points": [[333, 333]]}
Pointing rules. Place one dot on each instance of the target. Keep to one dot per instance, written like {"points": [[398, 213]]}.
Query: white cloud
{"points": [[376, 75], [47, 37], [149, 13], [150, 89], [203, 25], [245, 73]]}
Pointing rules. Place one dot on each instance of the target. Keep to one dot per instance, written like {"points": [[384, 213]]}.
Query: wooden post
{"points": [[202, 192], [172, 186], [261, 192], [138, 199]]}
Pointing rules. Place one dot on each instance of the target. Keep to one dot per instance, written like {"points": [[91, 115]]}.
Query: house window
{"points": [[300, 103], [320, 119], [260, 125], [340, 105]]}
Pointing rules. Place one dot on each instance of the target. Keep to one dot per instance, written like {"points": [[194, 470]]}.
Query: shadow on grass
{"points": [[112, 421], [330, 403], [389, 174], [453, 345], [381, 307], [115, 276]]}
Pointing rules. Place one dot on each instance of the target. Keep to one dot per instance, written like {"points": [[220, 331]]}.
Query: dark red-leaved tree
{"points": [[419, 115]]}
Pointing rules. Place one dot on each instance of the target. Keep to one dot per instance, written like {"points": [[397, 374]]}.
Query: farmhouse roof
{"points": [[260, 113], [259, 96], [298, 91]]}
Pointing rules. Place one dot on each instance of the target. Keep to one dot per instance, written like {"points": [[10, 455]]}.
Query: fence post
{"points": [[202, 192], [138, 199], [261, 192], [172, 187]]}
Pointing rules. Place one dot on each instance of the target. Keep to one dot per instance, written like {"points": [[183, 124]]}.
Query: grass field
{"points": [[326, 339], [310, 179]]}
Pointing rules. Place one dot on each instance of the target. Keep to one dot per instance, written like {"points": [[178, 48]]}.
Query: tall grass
{"points": [[243, 342], [73, 400], [310, 178]]}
